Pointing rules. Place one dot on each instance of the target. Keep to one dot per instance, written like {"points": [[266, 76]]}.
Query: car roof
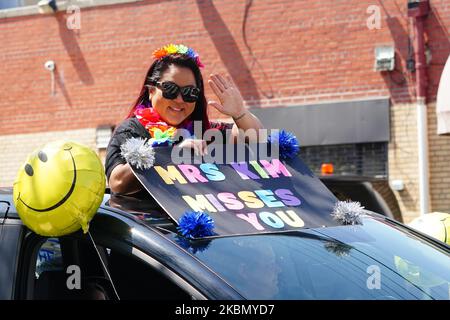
{"points": [[141, 210], [144, 212], [129, 207], [156, 227], [154, 231], [138, 210]]}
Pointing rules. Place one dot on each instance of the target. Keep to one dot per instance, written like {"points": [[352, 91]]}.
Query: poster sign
{"points": [[248, 195]]}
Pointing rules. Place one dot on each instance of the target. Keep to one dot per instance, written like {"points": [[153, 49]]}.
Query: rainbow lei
{"points": [[178, 49], [161, 133]]}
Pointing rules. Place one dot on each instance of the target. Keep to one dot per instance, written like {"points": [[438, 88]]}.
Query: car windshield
{"points": [[375, 260]]}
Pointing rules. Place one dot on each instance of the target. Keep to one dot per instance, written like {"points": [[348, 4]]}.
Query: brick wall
{"points": [[403, 157], [15, 148], [293, 52], [439, 165], [384, 190], [305, 51]]}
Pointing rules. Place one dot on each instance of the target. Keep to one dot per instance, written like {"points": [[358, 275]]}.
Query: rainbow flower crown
{"points": [[177, 49]]}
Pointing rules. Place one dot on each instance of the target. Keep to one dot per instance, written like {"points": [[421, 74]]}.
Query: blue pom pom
{"points": [[195, 225], [288, 143], [193, 246]]}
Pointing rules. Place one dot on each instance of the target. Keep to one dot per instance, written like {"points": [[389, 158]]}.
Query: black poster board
{"points": [[256, 195]]}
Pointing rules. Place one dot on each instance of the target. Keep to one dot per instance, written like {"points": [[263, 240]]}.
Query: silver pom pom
{"points": [[137, 153], [348, 212]]}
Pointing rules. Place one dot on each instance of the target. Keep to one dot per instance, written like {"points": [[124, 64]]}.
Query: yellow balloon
{"points": [[435, 224], [59, 188], [417, 275]]}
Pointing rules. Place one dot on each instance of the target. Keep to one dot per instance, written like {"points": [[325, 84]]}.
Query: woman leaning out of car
{"points": [[173, 96]]}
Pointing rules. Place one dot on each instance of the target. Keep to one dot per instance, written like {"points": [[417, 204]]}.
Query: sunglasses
{"points": [[170, 90]]}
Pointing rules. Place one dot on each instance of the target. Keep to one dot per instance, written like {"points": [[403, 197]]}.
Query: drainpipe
{"points": [[418, 11]]}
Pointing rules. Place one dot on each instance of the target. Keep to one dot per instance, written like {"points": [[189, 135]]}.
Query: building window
{"points": [[7, 4], [358, 160], [103, 135]]}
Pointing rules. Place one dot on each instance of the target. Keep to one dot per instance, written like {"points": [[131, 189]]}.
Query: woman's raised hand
{"points": [[231, 101]]}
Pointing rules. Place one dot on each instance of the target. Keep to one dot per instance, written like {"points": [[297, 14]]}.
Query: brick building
{"points": [[291, 55]]}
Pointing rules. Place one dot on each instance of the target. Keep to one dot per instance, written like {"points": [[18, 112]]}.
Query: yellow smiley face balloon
{"points": [[59, 188]]}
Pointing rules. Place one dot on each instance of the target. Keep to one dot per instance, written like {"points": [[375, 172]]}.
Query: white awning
{"points": [[443, 102]]}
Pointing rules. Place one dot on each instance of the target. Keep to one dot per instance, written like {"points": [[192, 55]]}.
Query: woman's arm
{"points": [[123, 181], [246, 120]]}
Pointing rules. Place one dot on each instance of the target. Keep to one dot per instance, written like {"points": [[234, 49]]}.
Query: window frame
{"points": [[170, 275], [32, 243], [157, 266], [11, 238]]}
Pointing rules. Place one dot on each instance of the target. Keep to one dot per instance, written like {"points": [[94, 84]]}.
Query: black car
{"points": [[135, 252]]}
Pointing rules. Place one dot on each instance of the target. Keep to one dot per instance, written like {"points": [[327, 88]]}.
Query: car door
{"points": [[134, 272], [4, 207], [11, 231], [59, 269], [166, 271], [79, 266]]}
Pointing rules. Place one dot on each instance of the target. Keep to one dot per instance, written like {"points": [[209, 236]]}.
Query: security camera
{"points": [[50, 65]]}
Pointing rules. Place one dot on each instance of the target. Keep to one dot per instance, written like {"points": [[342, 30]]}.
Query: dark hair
{"points": [[155, 73]]}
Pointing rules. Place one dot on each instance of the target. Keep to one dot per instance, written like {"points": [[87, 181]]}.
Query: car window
{"points": [[69, 268], [10, 239], [49, 257], [420, 263], [135, 279], [348, 262], [4, 208]]}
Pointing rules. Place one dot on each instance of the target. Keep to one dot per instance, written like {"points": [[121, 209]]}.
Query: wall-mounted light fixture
{"points": [[47, 6], [397, 185], [384, 58], [50, 65]]}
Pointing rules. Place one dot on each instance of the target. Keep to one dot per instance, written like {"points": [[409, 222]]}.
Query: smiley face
{"points": [[59, 188], [42, 156]]}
